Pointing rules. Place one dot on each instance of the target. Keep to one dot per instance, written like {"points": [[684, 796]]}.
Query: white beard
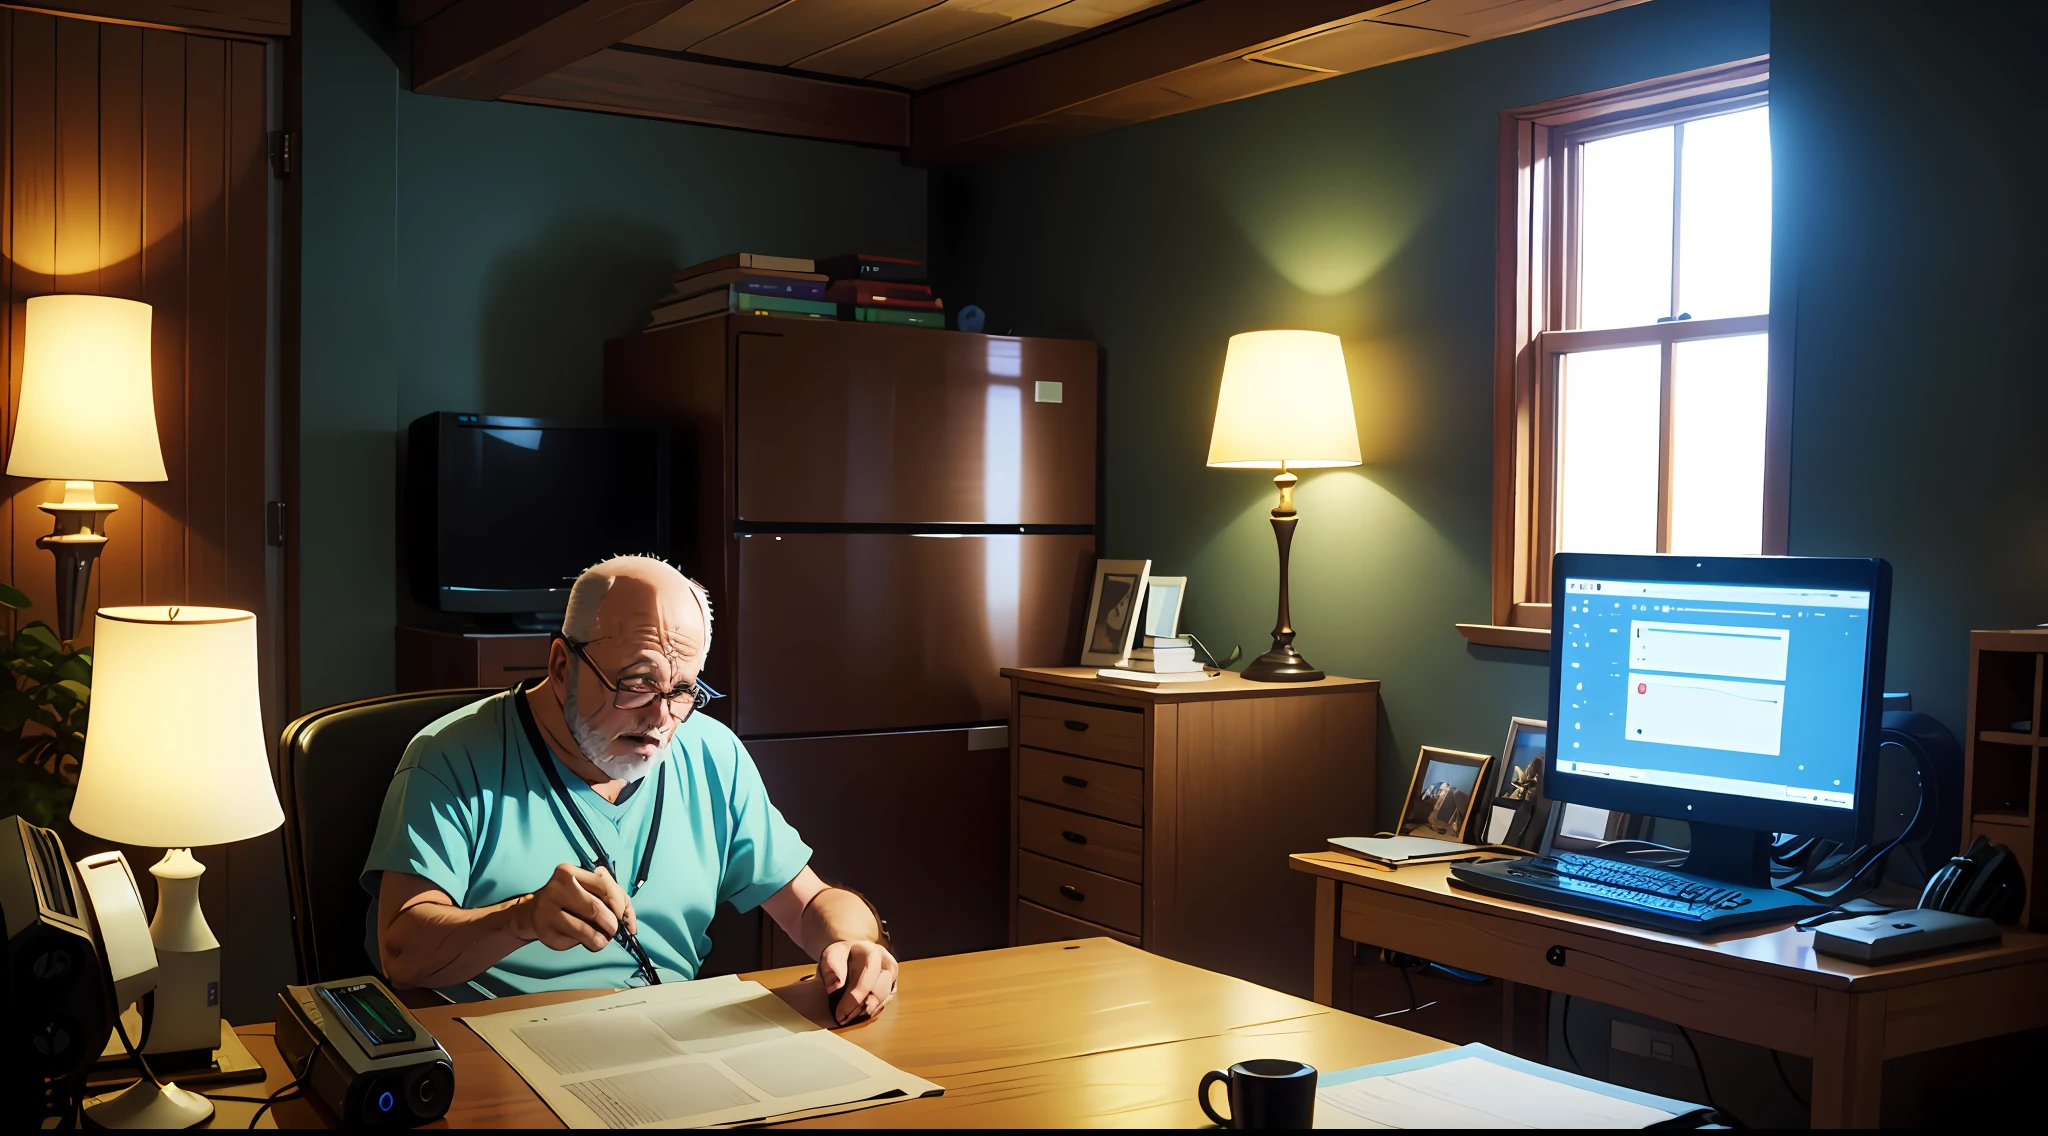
{"points": [[626, 767]]}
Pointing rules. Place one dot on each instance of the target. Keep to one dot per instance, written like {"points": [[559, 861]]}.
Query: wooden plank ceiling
{"points": [[948, 81]]}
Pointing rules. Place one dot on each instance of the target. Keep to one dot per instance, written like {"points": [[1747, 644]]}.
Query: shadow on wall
{"points": [[548, 306]]}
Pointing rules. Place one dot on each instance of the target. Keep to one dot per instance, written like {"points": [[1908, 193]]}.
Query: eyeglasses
{"points": [[636, 691]]}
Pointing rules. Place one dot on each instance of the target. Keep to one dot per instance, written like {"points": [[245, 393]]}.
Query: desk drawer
{"points": [[1079, 892], [1077, 838], [1037, 925], [1105, 732], [1096, 787]]}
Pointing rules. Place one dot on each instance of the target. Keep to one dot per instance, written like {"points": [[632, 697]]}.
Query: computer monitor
{"points": [[1739, 694]]}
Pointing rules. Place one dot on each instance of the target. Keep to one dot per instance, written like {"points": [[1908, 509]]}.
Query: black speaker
{"points": [[55, 1012]]}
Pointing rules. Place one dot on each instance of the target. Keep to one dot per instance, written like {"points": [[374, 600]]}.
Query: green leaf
{"points": [[77, 689], [13, 597], [41, 639]]}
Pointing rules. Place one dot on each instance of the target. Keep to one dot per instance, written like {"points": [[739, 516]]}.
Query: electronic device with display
{"points": [[476, 485], [363, 1055], [1741, 695]]}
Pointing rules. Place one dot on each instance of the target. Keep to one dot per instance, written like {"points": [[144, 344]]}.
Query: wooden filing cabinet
{"points": [[1164, 817]]}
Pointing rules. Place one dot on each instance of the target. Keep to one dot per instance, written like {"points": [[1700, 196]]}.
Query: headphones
{"points": [[1985, 882]]}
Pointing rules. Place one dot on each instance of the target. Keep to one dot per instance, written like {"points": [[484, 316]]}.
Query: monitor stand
{"points": [[1740, 856]]}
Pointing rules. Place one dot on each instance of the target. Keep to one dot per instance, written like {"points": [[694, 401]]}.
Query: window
{"points": [[1635, 409]]}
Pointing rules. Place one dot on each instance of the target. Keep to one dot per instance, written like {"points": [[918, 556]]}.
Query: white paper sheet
{"points": [[1472, 1092], [686, 1054]]}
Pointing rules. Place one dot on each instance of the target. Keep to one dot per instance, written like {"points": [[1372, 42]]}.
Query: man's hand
{"points": [[865, 971], [575, 908]]}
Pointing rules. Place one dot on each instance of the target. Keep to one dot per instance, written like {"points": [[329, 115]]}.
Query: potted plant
{"points": [[43, 708]]}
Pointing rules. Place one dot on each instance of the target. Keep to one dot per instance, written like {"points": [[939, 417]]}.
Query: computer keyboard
{"points": [[1632, 893]]}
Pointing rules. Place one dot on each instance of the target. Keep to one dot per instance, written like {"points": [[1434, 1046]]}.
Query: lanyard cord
{"points": [[643, 965], [547, 764]]}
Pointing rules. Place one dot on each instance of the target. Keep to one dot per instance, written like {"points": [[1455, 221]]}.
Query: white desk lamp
{"points": [[87, 413], [174, 758]]}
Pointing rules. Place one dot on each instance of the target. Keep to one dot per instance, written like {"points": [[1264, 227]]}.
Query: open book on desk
{"points": [[1476, 1086], [686, 1055]]}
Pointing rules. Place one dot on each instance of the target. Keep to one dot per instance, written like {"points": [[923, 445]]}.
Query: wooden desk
{"points": [[1054, 1035], [1766, 987]]}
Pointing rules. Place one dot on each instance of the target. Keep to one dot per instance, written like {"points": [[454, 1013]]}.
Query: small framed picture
{"points": [[1440, 793], [1113, 611], [1517, 813], [1163, 595]]}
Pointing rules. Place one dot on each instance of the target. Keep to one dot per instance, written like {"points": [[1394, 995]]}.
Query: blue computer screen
{"points": [[1751, 691]]}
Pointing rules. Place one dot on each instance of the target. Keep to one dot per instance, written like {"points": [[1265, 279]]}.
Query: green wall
{"points": [[1361, 205], [475, 256]]}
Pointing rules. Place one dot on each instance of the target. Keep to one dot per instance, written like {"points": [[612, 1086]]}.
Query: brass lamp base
{"points": [[76, 540], [1283, 663]]}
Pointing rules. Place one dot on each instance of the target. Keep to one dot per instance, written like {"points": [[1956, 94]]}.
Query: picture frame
{"points": [[1516, 812], [1113, 613], [1441, 792], [1163, 596]]}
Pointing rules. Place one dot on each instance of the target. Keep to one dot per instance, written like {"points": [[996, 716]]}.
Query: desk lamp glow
{"points": [[87, 414], [1285, 405], [175, 759]]}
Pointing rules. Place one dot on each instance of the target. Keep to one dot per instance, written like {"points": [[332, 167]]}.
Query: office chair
{"points": [[336, 764]]}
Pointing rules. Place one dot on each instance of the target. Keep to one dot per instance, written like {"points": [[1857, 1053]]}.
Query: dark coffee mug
{"points": [[1264, 1094]]}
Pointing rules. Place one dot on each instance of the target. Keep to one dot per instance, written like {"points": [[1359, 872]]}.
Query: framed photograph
{"points": [[1163, 595], [1113, 612], [1517, 813], [1440, 793]]}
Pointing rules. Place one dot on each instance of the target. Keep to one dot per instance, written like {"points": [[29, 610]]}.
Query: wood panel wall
{"points": [[135, 165]]}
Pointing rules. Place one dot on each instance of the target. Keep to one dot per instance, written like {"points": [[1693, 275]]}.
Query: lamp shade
{"points": [[174, 755], [1285, 398], [87, 409]]}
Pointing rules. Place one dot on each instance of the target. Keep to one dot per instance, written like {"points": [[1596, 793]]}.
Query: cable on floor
{"points": [[1778, 1060], [1700, 1067]]}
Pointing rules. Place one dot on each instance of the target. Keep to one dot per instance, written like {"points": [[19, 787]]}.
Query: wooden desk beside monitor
{"points": [[1054, 1035], [1764, 987], [1160, 816]]}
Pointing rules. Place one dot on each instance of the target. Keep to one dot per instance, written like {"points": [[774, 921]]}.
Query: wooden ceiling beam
{"points": [[947, 122], [484, 49], [258, 19], [653, 85]]}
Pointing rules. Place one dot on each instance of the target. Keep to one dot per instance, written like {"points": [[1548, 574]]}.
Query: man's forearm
{"points": [[837, 915], [437, 944]]}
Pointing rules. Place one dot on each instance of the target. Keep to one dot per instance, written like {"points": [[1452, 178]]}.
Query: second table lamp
{"points": [[1286, 405], [175, 759]]}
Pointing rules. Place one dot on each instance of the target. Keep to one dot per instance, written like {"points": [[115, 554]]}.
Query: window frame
{"points": [[1536, 309]]}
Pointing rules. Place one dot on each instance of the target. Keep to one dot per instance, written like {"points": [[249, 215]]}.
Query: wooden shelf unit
{"points": [[2005, 796]]}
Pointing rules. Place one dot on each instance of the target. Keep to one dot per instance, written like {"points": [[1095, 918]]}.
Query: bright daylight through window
{"points": [[1660, 442], [1634, 406]]}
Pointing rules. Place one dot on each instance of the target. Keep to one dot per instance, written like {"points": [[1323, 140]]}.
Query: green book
{"points": [[745, 302], [900, 315]]}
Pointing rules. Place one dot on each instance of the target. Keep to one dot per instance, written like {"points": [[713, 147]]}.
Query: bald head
{"points": [[641, 603]]}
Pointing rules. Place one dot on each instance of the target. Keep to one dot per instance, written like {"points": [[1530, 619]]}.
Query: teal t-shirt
{"points": [[470, 809]]}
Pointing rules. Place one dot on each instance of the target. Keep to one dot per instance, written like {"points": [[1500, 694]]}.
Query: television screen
{"points": [[507, 511]]}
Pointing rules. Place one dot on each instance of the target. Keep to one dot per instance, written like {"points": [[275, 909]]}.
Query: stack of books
{"points": [[1157, 660], [746, 282], [882, 289]]}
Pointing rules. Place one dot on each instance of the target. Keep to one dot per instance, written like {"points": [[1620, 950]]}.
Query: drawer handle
{"points": [[1073, 893], [1077, 727], [1076, 782], [1073, 838]]}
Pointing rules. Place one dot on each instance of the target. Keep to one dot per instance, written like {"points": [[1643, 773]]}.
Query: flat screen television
{"points": [[503, 513]]}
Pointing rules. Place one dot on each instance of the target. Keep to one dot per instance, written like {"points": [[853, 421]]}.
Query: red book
{"points": [[875, 293]]}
